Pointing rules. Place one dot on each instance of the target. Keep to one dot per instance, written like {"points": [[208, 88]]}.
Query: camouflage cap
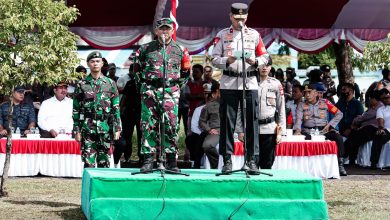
{"points": [[94, 54], [164, 22], [239, 10]]}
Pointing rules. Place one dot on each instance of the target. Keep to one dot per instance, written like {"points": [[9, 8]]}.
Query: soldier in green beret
{"points": [[96, 114], [150, 60]]}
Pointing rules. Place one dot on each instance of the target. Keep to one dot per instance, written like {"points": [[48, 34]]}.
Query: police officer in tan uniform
{"points": [[228, 43], [272, 120], [313, 114]]}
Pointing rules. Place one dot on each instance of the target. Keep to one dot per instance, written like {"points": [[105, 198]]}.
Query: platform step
{"points": [[144, 209], [200, 193]]}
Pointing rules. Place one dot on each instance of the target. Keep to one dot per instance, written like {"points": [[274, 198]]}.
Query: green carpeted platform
{"points": [[116, 194]]}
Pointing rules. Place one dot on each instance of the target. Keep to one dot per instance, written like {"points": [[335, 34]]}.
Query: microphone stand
{"points": [[244, 167], [161, 158]]}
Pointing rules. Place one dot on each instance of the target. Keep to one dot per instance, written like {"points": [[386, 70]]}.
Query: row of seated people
{"points": [[346, 115], [205, 123], [54, 116]]}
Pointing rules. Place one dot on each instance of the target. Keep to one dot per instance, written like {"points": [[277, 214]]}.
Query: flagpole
{"points": [[174, 4]]}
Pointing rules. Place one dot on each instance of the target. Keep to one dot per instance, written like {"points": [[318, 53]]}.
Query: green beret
{"points": [[164, 22], [94, 54]]}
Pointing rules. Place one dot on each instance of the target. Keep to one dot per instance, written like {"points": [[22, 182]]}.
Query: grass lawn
{"points": [[353, 197]]}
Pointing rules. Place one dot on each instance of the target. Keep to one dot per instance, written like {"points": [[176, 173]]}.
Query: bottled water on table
{"points": [[17, 131], [312, 131], [317, 132], [61, 131], [235, 136]]}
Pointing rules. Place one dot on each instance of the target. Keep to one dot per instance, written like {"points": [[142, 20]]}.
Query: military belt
{"points": [[266, 120], [315, 127], [159, 84], [95, 116], [235, 74]]}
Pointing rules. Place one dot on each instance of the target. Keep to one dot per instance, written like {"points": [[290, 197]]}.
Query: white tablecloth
{"points": [[364, 154], [318, 163], [61, 162]]}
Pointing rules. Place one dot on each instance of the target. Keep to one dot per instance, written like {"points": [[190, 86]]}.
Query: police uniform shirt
{"points": [[316, 115], [272, 105], [293, 107], [226, 43], [23, 115]]}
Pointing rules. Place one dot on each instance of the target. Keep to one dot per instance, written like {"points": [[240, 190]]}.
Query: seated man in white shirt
{"points": [[382, 135], [55, 114]]}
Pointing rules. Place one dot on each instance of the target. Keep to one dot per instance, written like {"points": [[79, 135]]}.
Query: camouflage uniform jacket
{"points": [[96, 106], [150, 59], [330, 88]]}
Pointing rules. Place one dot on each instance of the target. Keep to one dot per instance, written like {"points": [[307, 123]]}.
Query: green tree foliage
{"points": [[35, 42], [326, 56], [36, 46], [376, 55]]}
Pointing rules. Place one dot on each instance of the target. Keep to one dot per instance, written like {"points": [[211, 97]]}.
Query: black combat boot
{"points": [[342, 170], [252, 167], [147, 165], [227, 163], [172, 163]]}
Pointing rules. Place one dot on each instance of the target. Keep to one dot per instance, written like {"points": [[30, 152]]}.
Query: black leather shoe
{"points": [[147, 165], [172, 163], [342, 170], [252, 167], [227, 164], [373, 167]]}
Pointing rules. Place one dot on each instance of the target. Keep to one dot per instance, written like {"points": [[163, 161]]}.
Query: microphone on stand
{"points": [[241, 24], [163, 38]]}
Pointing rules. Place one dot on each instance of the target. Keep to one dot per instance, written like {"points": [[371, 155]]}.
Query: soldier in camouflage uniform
{"points": [[96, 114], [328, 83], [150, 60]]}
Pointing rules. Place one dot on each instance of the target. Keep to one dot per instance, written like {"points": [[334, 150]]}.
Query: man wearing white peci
{"points": [[55, 114]]}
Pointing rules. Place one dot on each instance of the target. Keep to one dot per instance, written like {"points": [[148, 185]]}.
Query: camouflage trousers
{"points": [[95, 149], [151, 118]]}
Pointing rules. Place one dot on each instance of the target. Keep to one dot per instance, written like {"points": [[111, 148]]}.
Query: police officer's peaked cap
{"points": [[316, 86], [94, 54], [310, 87], [325, 68], [239, 10], [164, 22], [19, 88]]}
